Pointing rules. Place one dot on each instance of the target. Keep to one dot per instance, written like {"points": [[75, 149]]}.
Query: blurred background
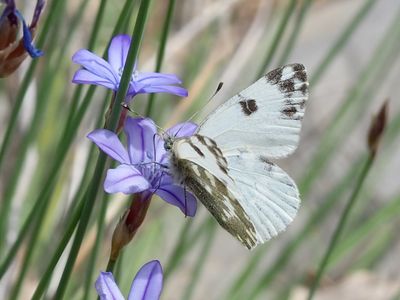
{"points": [[351, 51]]}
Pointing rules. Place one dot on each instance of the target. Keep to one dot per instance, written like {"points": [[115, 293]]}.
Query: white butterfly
{"points": [[227, 166]]}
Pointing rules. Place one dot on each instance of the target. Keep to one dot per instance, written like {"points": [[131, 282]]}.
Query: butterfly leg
{"points": [[184, 191]]}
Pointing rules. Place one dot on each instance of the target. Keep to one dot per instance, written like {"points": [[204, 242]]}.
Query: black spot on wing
{"points": [[298, 75], [222, 167], [301, 75], [287, 86], [274, 76], [249, 106], [201, 139], [298, 67], [289, 111], [214, 149], [302, 104], [304, 89], [195, 148], [268, 164]]}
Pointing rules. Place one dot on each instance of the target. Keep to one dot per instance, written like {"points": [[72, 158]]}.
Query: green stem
{"points": [[176, 252], [161, 50], [373, 222], [247, 271], [111, 265], [101, 163], [317, 217], [45, 278], [119, 266], [339, 228], [341, 41], [186, 242], [84, 216], [54, 15], [62, 150], [277, 38], [29, 253], [369, 77], [96, 247], [36, 212], [71, 219], [29, 137], [198, 268], [295, 33]]}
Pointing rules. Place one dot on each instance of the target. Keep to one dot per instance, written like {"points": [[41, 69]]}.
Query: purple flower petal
{"points": [[140, 134], [161, 153], [118, 51], [86, 77], [95, 65], [178, 130], [158, 79], [108, 74], [109, 143], [148, 282], [125, 179], [183, 129], [107, 288], [175, 90], [175, 195], [27, 38]]}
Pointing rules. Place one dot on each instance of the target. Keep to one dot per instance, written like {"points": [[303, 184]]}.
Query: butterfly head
{"points": [[168, 142]]}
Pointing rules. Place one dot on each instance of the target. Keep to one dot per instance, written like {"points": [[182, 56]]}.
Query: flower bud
{"points": [[13, 51], [129, 223], [377, 128]]}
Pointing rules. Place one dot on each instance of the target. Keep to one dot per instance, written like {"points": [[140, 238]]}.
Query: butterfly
{"points": [[227, 163]]}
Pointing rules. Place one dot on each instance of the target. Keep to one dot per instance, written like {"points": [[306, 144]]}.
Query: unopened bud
{"points": [[129, 223], [377, 128], [13, 50]]}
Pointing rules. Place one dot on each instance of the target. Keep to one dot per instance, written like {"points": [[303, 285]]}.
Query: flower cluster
{"points": [[143, 164], [13, 51]]}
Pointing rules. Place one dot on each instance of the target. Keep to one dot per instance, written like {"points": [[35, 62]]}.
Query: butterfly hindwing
{"points": [[270, 197], [265, 118]]}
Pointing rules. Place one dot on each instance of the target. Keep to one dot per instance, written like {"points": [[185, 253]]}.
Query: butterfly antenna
{"points": [[219, 87], [126, 106]]}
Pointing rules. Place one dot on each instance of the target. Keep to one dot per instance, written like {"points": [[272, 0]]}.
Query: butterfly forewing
{"points": [[197, 160], [265, 118]]}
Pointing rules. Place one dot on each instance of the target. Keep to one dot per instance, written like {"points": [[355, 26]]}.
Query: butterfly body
{"points": [[227, 166]]}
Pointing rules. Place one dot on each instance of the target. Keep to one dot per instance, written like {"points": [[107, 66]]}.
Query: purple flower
{"points": [[146, 285], [108, 74], [143, 164], [13, 50]]}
